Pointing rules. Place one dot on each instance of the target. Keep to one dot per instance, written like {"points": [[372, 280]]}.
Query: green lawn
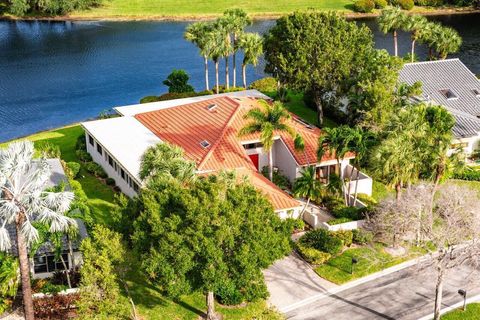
{"points": [[148, 298], [472, 313], [370, 258], [187, 8], [296, 105]]}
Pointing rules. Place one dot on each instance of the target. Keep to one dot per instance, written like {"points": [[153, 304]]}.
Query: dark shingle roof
{"points": [[452, 75]]}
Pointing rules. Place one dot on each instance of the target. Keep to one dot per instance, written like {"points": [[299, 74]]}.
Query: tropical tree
{"points": [[419, 27], [8, 279], [215, 236], [167, 161], [236, 20], [252, 46], [225, 46], [268, 121], [338, 141], [392, 20], [317, 52], [361, 143], [177, 82], [197, 33], [445, 40], [220, 47], [307, 186], [23, 182]]}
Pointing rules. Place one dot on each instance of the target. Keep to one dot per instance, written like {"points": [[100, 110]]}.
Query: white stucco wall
{"points": [[102, 160], [284, 160], [289, 213]]}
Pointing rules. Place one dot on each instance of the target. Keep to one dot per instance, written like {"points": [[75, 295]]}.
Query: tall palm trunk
{"points": [[67, 271], [270, 165], [340, 174], [395, 42], [349, 182], [211, 306], [24, 268], [234, 60], [439, 293], [207, 87], [413, 50], [398, 190], [216, 77], [305, 208], [227, 74], [244, 75], [356, 188]]}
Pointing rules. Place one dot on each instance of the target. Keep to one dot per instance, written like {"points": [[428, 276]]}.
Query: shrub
{"points": [[362, 236], [334, 203], [365, 198], [95, 169], [110, 181], [81, 143], [339, 221], [322, 240], [149, 99], [266, 85], [72, 169], [53, 288], [345, 235], [49, 150], [175, 95], [278, 178], [467, 174], [406, 4], [177, 82], [55, 307], [228, 294], [365, 6], [83, 156], [352, 213], [205, 93], [295, 224], [380, 4], [312, 255]]}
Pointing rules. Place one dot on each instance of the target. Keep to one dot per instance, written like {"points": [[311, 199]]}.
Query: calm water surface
{"points": [[56, 73]]}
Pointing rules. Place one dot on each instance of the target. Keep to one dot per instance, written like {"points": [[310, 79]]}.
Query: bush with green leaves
{"points": [[405, 4], [362, 236], [352, 213], [295, 224], [345, 235], [49, 150], [380, 4], [177, 82], [81, 143], [72, 169], [312, 255], [467, 174], [366, 199], [110, 181], [279, 179], [95, 169], [339, 221], [8, 280], [83, 156], [322, 240], [266, 86], [430, 3], [365, 6]]}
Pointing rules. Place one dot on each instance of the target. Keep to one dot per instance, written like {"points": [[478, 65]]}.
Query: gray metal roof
{"points": [[452, 75]]}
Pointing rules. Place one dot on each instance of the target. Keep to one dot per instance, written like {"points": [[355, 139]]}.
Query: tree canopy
{"points": [[216, 235], [177, 82], [317, 52]]}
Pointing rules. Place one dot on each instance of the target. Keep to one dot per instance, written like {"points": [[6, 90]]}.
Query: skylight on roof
{"points": [[211, 107], [476, 92], [449, 94], [205, 144], [307, 125]]}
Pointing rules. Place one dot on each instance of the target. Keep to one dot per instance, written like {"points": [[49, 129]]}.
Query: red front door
{"points": [[254, 158]]}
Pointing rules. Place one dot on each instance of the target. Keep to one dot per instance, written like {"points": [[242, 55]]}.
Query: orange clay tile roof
{"points": [[190, 124]]}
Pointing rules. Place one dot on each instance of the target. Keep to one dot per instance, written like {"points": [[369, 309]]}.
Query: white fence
{"points": [[365, 183], [351, 225]]}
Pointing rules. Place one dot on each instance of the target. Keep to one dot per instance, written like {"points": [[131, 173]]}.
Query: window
{"points": [[205, 144], [45, 263], [449, 94], [135, 187], [90, 140], [110, 161], [99, 148], [122, 174], [252, 146]]}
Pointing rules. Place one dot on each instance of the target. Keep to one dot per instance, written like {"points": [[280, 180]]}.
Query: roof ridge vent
{"points": [[205, 144], [212, 107]]}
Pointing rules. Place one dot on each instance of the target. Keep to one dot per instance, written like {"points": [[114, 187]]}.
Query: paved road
{"points": [[407, 294]]}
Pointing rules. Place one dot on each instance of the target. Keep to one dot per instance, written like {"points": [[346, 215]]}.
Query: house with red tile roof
{"points": [[207, 129]]}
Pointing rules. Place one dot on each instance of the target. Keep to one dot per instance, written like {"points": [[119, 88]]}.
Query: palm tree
{"points": [[391, 20], [197, 34], [24, 199], [252, 46], [167, 161], [418, 26], [237, 19], [360, 146], [338, 141], [268, 121], [307, 186], [446, 40], [224, 46]]}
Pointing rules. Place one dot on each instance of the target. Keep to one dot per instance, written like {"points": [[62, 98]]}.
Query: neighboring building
{"points": [[207, 128], [451, 84], [43, 263]]}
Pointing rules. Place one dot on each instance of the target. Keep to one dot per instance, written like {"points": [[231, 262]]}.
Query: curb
{"points": [[453, 307], [352, 284]]}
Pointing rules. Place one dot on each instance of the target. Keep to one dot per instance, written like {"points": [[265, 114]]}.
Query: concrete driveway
{"points": [[292, 280]]}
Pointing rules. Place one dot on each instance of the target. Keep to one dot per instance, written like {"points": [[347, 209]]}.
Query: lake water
{"points": [[56, 73]]}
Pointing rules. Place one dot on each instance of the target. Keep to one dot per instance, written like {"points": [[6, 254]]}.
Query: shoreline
{"points": [[205, 17]]}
